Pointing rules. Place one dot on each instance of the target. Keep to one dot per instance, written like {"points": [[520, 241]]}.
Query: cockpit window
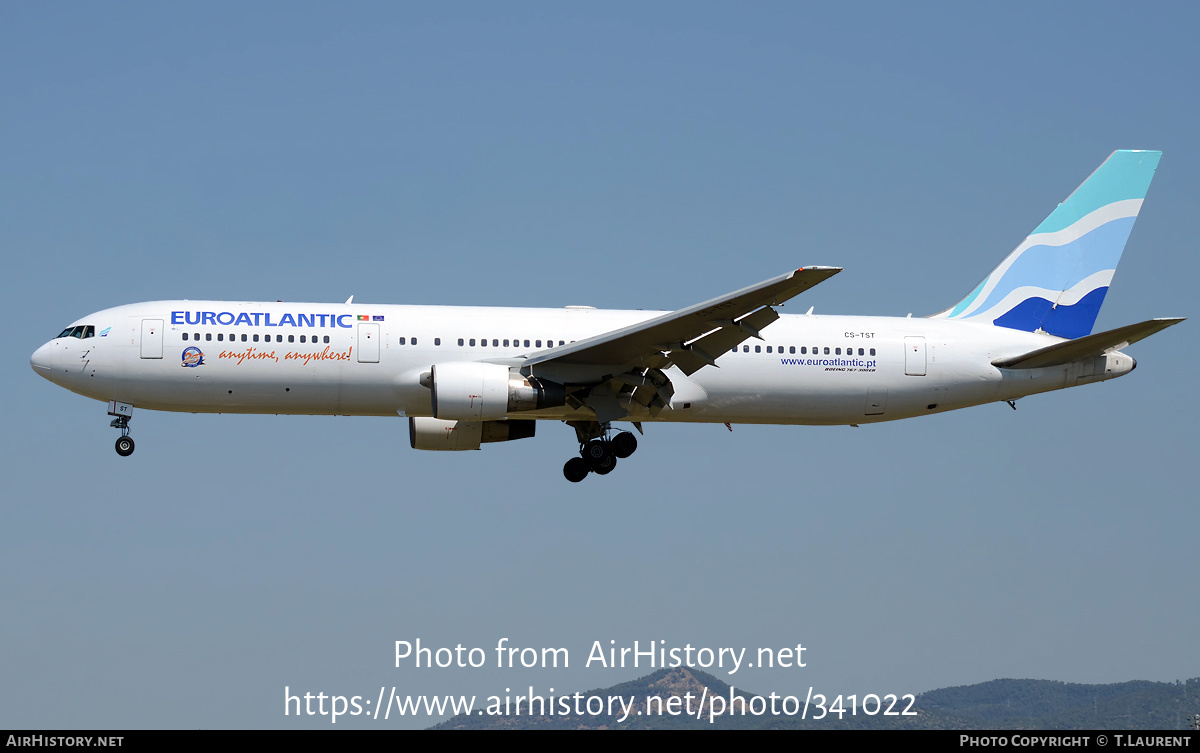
{"points": [[83, 331]]}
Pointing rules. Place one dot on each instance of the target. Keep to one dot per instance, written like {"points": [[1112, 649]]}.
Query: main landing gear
{"points": [[598, 454]]}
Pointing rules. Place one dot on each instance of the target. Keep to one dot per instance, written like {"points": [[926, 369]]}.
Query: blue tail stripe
{"points": [[1059, 267], [1062, 321]]}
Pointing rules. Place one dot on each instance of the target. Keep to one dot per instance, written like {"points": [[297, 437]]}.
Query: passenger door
{"points": [[152, 338]]}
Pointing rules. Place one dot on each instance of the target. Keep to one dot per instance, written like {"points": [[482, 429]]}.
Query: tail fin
{"points": [[1055, 281]]}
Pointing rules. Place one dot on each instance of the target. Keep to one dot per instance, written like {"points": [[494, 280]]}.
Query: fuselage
{"points": [[355, 359]]}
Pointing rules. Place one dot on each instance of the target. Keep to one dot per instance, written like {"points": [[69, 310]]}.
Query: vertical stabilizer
{"points": [[1055, 281]]}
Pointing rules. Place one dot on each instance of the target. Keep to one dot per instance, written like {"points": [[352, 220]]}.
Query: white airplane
{"points": [[464, 376]]}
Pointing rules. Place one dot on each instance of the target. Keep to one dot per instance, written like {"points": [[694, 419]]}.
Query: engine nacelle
{"points": [[437, 434], [471, 391]]}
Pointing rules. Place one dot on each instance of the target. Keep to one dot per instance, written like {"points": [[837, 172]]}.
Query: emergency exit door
{"points": [[368, 342]]}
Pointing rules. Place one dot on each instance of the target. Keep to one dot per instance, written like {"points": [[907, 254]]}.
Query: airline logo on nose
{"points": [[192, 357]]}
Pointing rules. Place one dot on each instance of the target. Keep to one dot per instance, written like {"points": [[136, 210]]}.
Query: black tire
{"points": [[606, 467], [595, 453], [624, 444], [575, 470], [125, 446]]}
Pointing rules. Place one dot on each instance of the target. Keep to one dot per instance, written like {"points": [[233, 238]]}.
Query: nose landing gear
{"points": [[123, 412], [125, 446], [597, 452]]}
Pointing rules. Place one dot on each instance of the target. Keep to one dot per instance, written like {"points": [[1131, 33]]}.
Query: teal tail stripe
{"points": [[1124, 175]]}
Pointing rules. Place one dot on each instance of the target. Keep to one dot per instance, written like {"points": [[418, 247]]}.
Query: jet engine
{"points": [[437, 434], [472, 391]]}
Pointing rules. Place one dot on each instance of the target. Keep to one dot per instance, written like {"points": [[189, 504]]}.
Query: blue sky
{"points": [[628, 157]]}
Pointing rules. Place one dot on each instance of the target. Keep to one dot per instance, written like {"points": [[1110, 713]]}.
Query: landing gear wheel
{"points": [[596, 453], [624, 444], [606, 466], [125, 446], [575, 470]]}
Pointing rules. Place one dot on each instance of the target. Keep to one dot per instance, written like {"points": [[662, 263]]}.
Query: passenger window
{"points": [[495, 343], [803, 350], [768, 348], [745, 348], [401, 340], [526, 343], [301, 338], [256, 338], [472, 342], [872, 351], [414, 341], [185, 337], [734, 349], [220, 337], [539, 344], [208, 336], [792, 349], [758, 349], [326, 338], [243, 338], [860, 351], [483, 342], [278, 338], [506, 343], [827, 351], [560, 342], [460, 342], [437, 341], [291, 338]]}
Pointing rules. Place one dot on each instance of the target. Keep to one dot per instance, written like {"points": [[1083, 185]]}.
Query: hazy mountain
{"points": [[998, 704]]}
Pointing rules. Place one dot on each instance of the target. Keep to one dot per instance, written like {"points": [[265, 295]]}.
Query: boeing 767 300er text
{"points": [[464, 376]]}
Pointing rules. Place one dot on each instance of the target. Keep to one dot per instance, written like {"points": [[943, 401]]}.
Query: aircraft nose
{"points": [[40, 360]]}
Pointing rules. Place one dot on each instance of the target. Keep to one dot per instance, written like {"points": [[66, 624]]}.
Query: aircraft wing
{"points": [[1089, 345], [692, 337], [612, 371]]}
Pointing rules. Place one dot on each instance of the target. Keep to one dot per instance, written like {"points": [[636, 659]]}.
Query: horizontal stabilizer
{"points": [[1083, 347]]}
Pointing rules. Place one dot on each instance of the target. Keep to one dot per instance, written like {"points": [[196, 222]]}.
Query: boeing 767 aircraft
{"points": [[464, 376]]}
